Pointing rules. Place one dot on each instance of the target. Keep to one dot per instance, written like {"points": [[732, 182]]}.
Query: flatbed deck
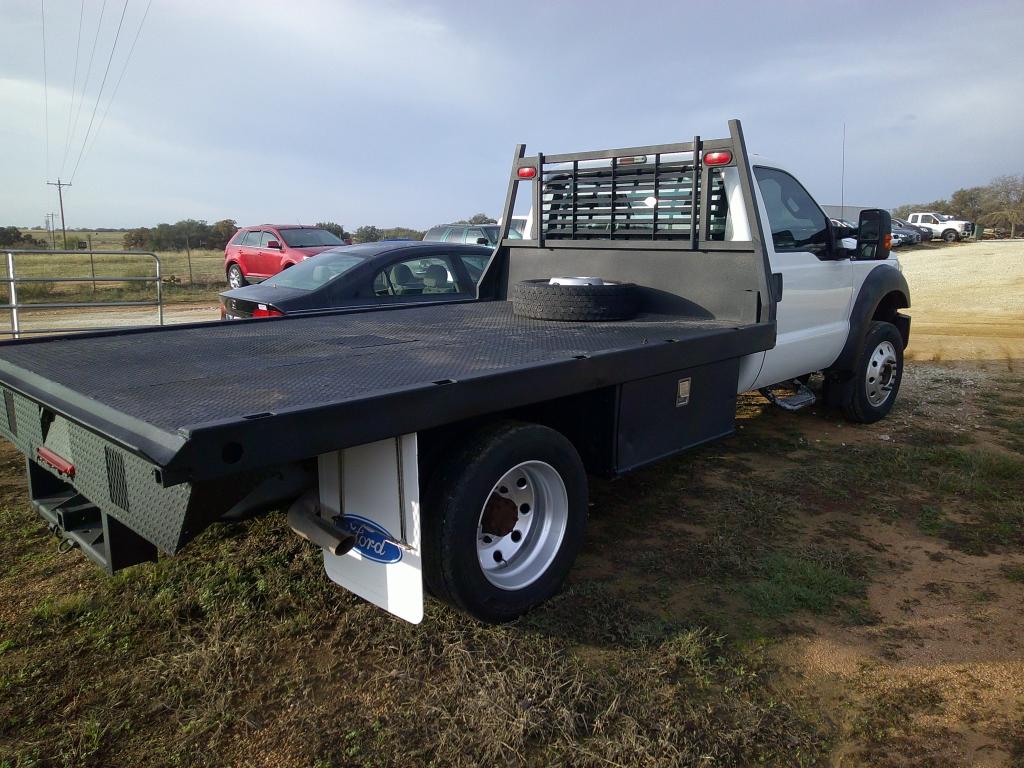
{"points": [[180, 396]]}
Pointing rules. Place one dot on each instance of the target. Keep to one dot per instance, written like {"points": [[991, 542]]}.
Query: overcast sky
{"points": [[393, 113]]}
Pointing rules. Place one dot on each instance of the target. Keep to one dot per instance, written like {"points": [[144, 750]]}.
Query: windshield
{"points": [[309, 238], [312, 273]]}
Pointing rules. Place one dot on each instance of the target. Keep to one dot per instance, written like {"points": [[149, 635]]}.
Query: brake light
{"points": [[56, 461], [719, 157], [262, 310], [526, 172], [887, 241]]}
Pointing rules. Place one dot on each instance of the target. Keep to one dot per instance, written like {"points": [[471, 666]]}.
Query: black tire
{"points": [[855, 395], [950, 235], [454, 503], [577, 303], [235, 273]]}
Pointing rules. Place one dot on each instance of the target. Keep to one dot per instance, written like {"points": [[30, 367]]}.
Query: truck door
{"points": [[817, 289]]}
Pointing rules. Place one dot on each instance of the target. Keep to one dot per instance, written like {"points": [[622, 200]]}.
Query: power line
{"points": [[46, 88], [117, 85], [88, 72], [99, 93], [74, 86]]}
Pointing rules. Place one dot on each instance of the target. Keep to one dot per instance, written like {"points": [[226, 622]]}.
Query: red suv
{"points": [[256, 253]]}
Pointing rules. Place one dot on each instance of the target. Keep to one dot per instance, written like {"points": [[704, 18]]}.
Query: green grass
{"points": [[817, 581], [198, 651]]}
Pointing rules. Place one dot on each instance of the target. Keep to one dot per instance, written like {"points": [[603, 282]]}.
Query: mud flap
{"points": [[375, 490]]}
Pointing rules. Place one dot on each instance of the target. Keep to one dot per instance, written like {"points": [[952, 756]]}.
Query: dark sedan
{"points": [[925, 233], [370, 274]]}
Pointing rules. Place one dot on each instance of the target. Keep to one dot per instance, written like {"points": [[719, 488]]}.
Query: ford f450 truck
{"points": [[448, 447]]}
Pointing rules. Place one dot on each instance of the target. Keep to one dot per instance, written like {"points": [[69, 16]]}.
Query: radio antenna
{"points": [[842, 177]]}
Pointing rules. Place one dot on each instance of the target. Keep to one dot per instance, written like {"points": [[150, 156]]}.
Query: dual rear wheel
{"points": [[504, 518]]}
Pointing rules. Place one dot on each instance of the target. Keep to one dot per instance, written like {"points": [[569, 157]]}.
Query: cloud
{"points": [[397, 112]]}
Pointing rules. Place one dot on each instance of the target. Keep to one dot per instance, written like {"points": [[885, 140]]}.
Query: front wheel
{"points": [[870, 392], [950, 236], [235, 277], [504, 520]]}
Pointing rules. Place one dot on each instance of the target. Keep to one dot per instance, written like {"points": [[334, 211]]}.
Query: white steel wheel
{"points": [[504, 516], [868, 393], [521, 525], [881, 373]]}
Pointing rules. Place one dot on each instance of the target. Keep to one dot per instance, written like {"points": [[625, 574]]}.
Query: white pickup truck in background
{"points": [[947, 227]]}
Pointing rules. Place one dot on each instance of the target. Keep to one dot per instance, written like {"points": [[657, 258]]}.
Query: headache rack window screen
{"points": [[638, 198]]}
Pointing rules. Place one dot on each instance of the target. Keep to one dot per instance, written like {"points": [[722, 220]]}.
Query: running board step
{"points": [[801, 399]]}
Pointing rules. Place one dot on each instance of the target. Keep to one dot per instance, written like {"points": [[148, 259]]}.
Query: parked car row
{"points": [[923, 227]]}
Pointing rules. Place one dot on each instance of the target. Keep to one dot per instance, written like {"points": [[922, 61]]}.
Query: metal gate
{"points": [[17, 308]]}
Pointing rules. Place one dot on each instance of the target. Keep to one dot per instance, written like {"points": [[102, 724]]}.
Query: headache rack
{"points": [[631, 196]]}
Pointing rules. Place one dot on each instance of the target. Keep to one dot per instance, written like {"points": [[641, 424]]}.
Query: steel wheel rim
{"points": [[234, 278], [882, 372], [515, 547]]}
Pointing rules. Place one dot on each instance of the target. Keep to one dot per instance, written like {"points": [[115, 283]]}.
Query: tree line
{"points": [[187, 233], [197, 233], [12, 237], [1000, 203]]}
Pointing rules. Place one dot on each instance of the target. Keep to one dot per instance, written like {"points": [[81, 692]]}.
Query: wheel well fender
{"points": [[883, 293], [233, 263]]}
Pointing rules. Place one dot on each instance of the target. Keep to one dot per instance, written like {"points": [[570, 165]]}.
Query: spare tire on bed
{"points": [[577, 302]]}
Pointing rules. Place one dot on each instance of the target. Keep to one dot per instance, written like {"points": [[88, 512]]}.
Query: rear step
{"points": [[801, 399]]}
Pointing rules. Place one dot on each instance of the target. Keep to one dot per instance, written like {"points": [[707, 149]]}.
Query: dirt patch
{"points": [[968, 303]]}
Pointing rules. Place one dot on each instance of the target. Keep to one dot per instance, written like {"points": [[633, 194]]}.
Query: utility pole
{"points": [[48, 218], [60, 194], [53, 230]]}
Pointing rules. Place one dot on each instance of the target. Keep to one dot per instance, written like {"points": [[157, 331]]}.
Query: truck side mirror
{"points": [[874, 234]]}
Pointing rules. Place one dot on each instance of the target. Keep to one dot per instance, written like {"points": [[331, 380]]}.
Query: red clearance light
{"points": [[720, 157], [262, 310], [527, 172], [56, 461], [634, 160]]}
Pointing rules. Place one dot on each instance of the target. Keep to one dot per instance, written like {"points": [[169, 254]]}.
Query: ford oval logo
{"points": [[372, 541]]}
